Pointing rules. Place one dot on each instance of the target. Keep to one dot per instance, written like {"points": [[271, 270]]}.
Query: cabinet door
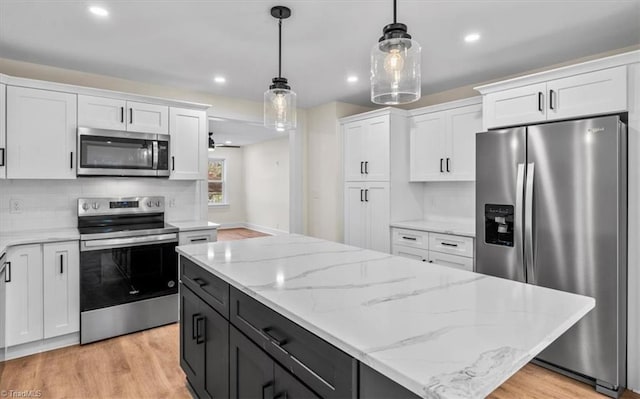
{"points": [[427, 143], [287, 386], [41, 130], [599, 92], [378, 211], [376, 148], [188, 130], [354, 215], [24, 294], [250, 371], [354, 133], [463, 124], [101, 112], [3, 131], [147, 118], [61, 275], [215, 334], [411, 253], [457, 262], [192, 354], [517, 106]]}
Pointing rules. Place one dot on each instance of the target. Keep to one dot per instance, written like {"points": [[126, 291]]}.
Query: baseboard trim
{"points": [[252, 226], [42, 345], [231, 225]]}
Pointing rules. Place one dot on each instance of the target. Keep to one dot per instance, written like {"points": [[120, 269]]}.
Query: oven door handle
{"points": [[108, 243]]}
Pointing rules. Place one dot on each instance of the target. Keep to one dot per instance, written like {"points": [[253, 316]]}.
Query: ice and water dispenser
{"points": [[498, 224]]}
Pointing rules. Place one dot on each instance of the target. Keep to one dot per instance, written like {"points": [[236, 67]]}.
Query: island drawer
{"points": [[410, 238], [450, 244], [213, 290], [324, 368]]}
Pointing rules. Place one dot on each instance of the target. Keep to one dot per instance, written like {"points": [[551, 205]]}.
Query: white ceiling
{"points": [[185, 43], [241, 133]]}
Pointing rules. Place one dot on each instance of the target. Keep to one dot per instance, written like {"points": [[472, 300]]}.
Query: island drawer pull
{"points": [[269, 333], [282, 395], [194, 322], [200, 334], [199, 281], [267, 390], [446, 244], [409, 238]]}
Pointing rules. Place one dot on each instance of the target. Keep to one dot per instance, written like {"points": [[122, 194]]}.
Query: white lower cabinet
{"points": [[443, 249], [61, 275], [42, 291], [367, 215], [197, 236]]}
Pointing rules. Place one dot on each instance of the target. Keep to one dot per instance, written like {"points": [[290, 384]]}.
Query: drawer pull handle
{"points": [[194, 322], [269, 332], [409, 238], [282, 395], [446, 244], [267, 390], [200, 333], [200, 282], [430, 261], [198, 239]]}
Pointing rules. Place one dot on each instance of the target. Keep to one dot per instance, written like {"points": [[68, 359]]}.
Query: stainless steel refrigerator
{"points": [[551, 211]]}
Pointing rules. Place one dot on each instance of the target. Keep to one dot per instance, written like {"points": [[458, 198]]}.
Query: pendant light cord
{"points": [[280, 47], [395, 11]]}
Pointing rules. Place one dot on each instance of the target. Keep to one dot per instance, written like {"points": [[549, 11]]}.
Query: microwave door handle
{"points": [[155, 155]]}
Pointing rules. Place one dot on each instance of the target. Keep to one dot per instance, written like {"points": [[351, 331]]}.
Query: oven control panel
{"points": [[119, 206]]}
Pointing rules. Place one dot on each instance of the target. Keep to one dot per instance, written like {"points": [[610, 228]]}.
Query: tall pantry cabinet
{"points": [[376, 177]]}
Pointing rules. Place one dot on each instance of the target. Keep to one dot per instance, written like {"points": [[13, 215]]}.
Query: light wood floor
{"points": [[146, 365], [238, 234]]}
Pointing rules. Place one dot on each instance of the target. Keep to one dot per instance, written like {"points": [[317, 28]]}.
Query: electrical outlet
{"points": [[172, 202], [15, 206]]}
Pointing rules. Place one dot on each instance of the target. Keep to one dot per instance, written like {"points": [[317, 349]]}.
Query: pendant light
{"points": [[280, 100], [395, 66]]}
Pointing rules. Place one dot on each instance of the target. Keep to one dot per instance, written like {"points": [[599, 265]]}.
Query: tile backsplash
{"points": [[455, 200], [47, 204]]}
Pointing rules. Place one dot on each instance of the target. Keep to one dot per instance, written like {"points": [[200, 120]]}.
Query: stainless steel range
{"points": [[128, 266]]}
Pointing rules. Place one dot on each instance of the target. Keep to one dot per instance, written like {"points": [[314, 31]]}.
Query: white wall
{"points": [[235, 212], [49, 204], [266, 182], [449, 200]]}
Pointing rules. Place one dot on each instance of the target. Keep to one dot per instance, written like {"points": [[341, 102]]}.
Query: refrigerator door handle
{"points": [[528, 225], [519, 221]]}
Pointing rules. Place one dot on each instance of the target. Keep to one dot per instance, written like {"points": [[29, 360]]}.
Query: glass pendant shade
{"points": [[280, 109], [395, 71]]}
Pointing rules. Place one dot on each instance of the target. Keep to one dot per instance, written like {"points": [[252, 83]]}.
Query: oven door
{"points": [[114, 153], [123, 270]]}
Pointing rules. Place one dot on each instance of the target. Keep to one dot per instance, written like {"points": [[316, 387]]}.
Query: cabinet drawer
{"points": [[459, 262], [213, 290], [321, 366], [455, 245], [411, 238], [197, 237], [410, 252]]}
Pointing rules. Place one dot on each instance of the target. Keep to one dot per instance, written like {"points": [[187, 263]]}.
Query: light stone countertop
{"points": [[460, 227], [8, 239], [438, 331], [193, 225]]}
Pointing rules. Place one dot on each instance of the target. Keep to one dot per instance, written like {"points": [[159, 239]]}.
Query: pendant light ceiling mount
{"points": [[280, 100]]}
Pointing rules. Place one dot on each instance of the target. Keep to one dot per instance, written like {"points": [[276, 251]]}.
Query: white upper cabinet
{"points": [[189, 143], [41, 133], [116, 114], [599, 92], [61, 276], [147, 118], [366, 149], [23, 278], [3, 131], [442, 143], [591, 93], [101, 112]]}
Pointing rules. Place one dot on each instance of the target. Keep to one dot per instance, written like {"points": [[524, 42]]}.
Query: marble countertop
{"points": [[193, 225], [8, 239], [438, 331], [460, 227]]}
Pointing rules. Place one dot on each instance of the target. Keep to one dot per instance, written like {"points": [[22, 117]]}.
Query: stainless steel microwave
{"points": [[105, 152]]}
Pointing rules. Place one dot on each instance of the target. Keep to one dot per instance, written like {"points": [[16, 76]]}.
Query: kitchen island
{"points": [[349, 322]]}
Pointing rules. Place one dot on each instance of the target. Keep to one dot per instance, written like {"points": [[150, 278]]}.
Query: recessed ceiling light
{"points": [[219, 79], [227, 142], [472, 37], [99, 11], [352, 79]]}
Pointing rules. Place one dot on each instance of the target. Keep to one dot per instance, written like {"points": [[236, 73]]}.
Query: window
{"points": [[216, 180]]}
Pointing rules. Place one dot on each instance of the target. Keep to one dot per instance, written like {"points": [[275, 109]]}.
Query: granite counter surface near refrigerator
{"points": [[438, 331]]}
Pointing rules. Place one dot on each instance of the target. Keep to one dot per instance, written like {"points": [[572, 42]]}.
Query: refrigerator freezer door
{"points": [[576, 223], [500, 160]]}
